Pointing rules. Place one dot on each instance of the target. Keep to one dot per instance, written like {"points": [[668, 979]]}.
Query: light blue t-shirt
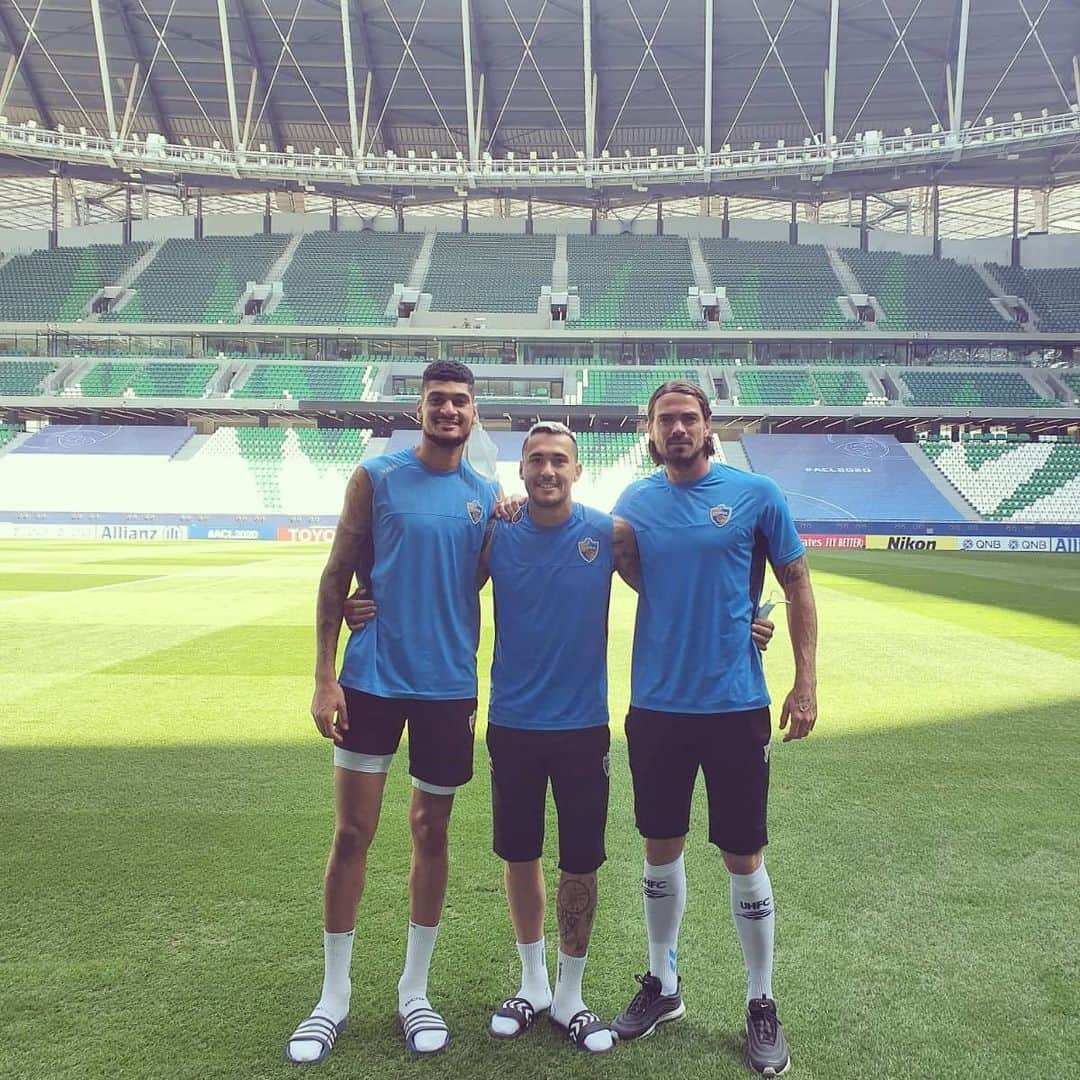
{"points": [[703, 548], [552, 586], [428, 530]]}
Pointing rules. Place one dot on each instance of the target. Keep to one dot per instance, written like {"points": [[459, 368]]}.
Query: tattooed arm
{"points": [[800, 706], [627, 559], [350, 549]]}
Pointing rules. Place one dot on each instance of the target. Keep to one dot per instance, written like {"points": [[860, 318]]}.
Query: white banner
{"points": [[12, 530]]}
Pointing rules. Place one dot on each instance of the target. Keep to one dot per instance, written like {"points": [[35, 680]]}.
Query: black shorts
{"points": [[577, 762], [440, 733], [731, 749]]}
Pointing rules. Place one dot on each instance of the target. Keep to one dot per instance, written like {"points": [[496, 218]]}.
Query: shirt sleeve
{"points": [[778, 527]]}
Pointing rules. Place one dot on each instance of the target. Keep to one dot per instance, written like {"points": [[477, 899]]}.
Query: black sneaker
{"points": [[766, 1047], [650, 1006]]}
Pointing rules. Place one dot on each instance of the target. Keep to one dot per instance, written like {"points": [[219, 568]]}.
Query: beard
{"points": [[446, 442], [683, 452]]}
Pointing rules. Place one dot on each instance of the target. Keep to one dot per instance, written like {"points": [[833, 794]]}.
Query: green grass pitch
{"points": [[165, 811]]}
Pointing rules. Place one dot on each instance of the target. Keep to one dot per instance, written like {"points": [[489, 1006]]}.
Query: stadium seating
{"points": [[159, 379], [636, 282], [1005, 389], [56, 285], [9, 432], [919, 292], [489, 272], [1014, 481], [777, 286], [628, 386], [1072, 380], [840, 387], [316, 381], [199, 280], [23, 378], [344, 278], [1054, 295], [762, 386]]}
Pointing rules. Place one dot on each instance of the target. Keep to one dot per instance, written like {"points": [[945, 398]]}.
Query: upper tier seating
{"points": [[1054, 295], [317, 381], [9, 432], [840, 387], [1006, 389], [23, 378], [1011, 481], [760, 386], [1072, 380], [919, 292], [56, 286], [483, 272], [629, 386], [776, 286], [345, 278], [159, 379], [199, 280], [631, 281]]}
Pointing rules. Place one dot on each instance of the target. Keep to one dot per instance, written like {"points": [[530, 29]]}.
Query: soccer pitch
{"points": [[166, 808]]}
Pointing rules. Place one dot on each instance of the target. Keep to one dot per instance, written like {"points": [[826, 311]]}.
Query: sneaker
{"points": [[766, 1047], [650, 1006]]}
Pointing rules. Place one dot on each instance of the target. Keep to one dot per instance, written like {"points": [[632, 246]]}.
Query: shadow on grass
{"points": [[165, 903]]}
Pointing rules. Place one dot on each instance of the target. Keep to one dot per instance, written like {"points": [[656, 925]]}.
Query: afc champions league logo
{"points": [[476, 511], [720, 515], [588, 549]]}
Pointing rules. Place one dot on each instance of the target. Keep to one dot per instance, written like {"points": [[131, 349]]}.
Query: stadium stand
{"points": [[628, 386], [56, 285], [631, 281], [837, 477], [319, 382], [1072, 380], [1013, 480], [159, 379], [199, 280], [841, 387], [9, 432], [1006, 389], [489, 272], [919, 292], [344, 278], [1054, 295], [777, 286], [760, 386], [24, 378]]}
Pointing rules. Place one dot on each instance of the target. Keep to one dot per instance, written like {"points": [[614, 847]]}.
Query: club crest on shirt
{"points": [[720, 515], [588, 548], [476, 511]]}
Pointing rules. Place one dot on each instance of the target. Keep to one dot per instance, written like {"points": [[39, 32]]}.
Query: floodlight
{"points": [[989, 121], [1018, 117]]}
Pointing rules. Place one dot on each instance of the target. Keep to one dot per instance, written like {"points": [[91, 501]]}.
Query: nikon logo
{"points": [[910, 543]]}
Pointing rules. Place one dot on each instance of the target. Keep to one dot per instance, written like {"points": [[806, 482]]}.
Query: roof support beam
{"points": [[830, 71], [230, 83], [590, 103], [470, 107], [362, 39], [961, 62], [28, 77], [350, 75], [123, 9], [276, 130], [103, 66], [485, 106]]}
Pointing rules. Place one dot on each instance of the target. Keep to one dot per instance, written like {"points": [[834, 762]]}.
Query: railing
{"points": [[868, 150]]}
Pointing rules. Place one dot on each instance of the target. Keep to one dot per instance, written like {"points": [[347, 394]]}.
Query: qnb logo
{"points": [[755, 909]]}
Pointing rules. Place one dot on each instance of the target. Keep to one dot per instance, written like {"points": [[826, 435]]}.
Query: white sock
{"points": [[664, 889], [535, 988], [412, 986], [568, 1002], [336, 989], [755, 919]]}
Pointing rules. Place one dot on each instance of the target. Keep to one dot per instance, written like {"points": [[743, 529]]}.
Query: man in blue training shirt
{"points": [[412, 527], [698, 698]]}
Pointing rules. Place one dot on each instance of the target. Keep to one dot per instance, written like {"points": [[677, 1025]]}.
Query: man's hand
{"points": [[328, 710], [359, 610], [800, 707], [507, 507], [761, 630]]}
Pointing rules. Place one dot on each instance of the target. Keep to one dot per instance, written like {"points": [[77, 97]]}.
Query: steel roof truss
{"points": [[163, 126]]}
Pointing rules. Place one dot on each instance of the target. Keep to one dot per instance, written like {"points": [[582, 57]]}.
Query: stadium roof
{"points": [[573, 78]]}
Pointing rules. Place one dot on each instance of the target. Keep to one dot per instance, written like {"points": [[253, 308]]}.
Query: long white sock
{"points": [[568, 1002], [755, 919], [412, 986], [336, 989], [535, 988], [664, 889]]}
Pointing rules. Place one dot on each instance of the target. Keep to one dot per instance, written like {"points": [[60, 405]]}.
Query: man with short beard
{"points": [[698, 697], [412, 527]]}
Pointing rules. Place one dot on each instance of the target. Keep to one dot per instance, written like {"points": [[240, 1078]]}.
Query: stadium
{"points": [[233, 234]]}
